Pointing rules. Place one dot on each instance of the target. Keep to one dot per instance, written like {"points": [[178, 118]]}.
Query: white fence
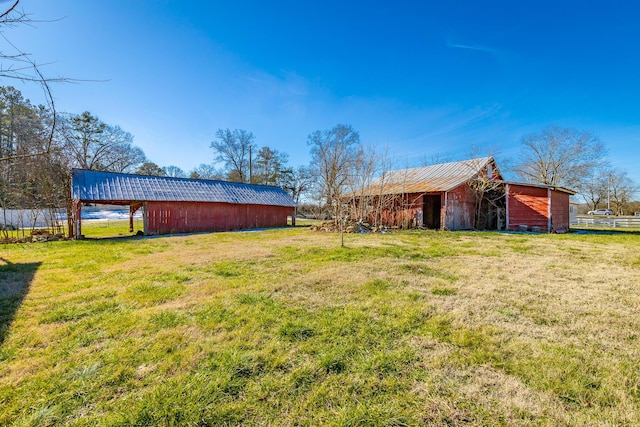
{"points": [[613, 222], [27, 218]]}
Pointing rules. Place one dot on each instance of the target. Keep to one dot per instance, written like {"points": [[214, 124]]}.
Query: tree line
{"points": [[36, 162], [342, 168], [35, 168], [36, 157], [576, 160], [39, 146]]}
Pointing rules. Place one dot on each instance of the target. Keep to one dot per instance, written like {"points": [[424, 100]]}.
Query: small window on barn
{"points": [[489, 170]]}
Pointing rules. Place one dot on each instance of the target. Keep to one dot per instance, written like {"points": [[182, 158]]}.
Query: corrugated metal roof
{"points": [[552, 187], [105, 187], [428, 179]]}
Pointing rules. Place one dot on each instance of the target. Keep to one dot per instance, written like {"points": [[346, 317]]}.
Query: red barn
{"points": [[542, 207], [465, 195], [180, 205]]}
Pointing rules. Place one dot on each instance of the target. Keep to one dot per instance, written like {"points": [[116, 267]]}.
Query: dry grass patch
{"points": [[286, 327]]}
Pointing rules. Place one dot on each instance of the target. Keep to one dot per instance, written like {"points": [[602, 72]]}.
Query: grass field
{"points": [[285, 327]]}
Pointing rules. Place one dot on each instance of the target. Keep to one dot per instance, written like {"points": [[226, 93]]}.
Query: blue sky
{"points": [[423, 78]]}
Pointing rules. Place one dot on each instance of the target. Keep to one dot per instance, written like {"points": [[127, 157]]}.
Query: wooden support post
{"points": [[133, 208], [78, 220], [506, 207], [549, 229]]}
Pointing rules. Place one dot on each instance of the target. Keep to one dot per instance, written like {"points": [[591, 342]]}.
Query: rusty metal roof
{"points": [[551, 187], [108, 187], [429, 179]]}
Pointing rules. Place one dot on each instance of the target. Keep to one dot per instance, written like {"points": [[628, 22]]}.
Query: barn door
{"points": [[432, 206]]}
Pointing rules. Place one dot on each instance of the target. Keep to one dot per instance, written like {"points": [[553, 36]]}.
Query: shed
{"points": [[537, 207], [464, 195], [181, 205]]}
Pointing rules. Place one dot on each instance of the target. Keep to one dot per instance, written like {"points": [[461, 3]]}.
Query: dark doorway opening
{"points": [[431, 217]]}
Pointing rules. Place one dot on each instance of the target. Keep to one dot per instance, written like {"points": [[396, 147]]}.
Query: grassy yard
{"points": [[285, 327]]}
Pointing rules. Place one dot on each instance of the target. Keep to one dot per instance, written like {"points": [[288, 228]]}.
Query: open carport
{"points": [[180, 205]]}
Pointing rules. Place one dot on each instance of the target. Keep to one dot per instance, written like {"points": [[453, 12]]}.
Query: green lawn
{"points": [[285, 327]]}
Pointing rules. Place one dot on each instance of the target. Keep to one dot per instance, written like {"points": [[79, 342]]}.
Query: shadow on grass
{"points": [[612, 232], [115, 237], [141, 235], [15, 280]]}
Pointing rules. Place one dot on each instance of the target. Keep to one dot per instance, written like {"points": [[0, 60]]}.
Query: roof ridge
{"points": [[161, 177], [483, 159], [101, 186], [433, 178]]}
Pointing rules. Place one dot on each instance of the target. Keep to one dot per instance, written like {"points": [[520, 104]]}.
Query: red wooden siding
{"points": [[189, 217], [401, 211], [528, 206], [560, 220], [407, 209], [460, 206]]}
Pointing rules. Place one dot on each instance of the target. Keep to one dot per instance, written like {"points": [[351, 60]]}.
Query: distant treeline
{"points": [[38, 150]]}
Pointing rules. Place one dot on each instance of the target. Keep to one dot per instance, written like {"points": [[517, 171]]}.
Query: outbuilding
{"points": [[537, 207], [464, 195], [181, 205]]}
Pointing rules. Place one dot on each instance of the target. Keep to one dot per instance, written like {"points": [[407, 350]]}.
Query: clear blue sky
{"points": [[421, 77]]}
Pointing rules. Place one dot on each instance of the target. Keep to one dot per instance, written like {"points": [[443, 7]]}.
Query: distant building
{"points": [[180, 205], [573, 213], [465, 195]]}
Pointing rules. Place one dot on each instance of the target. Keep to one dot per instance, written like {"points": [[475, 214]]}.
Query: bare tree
{"points": [[206, 171], [333, 154], [123, 156], [24, 144], [365, 169], [296, 182], [489, 194], [593, 187], [622, 189], [487, 187], [37, 162], [560, 156], [437, 159], [634, 207], [14, 63], [87, 142], [382, 202], [233, 148], [18, 65], [174, 172]]}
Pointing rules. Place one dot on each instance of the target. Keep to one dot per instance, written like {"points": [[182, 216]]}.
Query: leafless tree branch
{"points": [[11, 9]]}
